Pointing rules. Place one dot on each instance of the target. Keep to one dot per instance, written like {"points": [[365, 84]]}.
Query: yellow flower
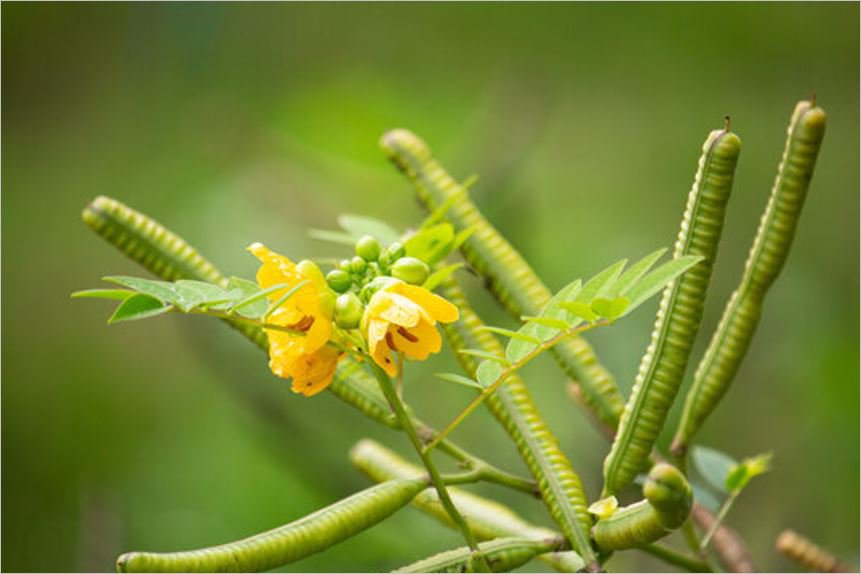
{"points": [[402, 318], [305, 359]]}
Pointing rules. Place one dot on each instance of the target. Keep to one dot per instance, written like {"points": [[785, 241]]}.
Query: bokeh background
{"points": [[235, 123]]}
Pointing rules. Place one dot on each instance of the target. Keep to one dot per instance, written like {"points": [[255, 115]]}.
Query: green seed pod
{"points": [[509, 277], [358, 265], [486, 518], [348, 311], [339, 280], [666, 507], [816, 559], [731, 339], [368, 248], [512, 406], [289, 543], [502, 555], [410, 270], [663, 365]]}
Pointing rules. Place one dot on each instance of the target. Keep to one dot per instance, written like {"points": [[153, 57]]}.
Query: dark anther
{"points": [[390, 341], [407, 335]]}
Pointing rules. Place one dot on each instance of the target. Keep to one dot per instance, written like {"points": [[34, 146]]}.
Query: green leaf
{"points": [[255, 305], [161, 290], [600, 283], [656, 280], [200, 293], [138, 306], [581, 310], [430, 244], [283, 298], [459, 379], [713, 465], [704, 497], [747, 469], [484, 355], [520, 347], [438, 214], [488, 372], [359, 225], [511, 334], [554, 324], [440, 275], [610, 309], [635, 272], [120, 294], [461, 238], [338, 237]]}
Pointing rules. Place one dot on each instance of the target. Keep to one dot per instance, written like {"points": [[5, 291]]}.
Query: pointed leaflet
{"points": [[484, 355], [430, 244], [657, 279], [161, 290], [610, 309], [713, 465], [635, 272], [338, 237], [200, 293], [509, 334], [440, 275], [138, 306], [120, 294], [459, 379], [248, 304], [520, 347]]}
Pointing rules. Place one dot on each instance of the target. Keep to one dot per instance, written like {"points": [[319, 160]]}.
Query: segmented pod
{"points": [[808, 554], [502, 555], [170, 257], [731, 339], [290, 542], [487, 519], [665, 508], [512, 406], [509, 276], [663, 365]]}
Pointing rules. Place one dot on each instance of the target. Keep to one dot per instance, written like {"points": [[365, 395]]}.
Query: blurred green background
{"points": [[237, 123]]}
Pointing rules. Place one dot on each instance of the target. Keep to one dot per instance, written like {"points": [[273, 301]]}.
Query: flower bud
{"points": [[358, 265], [410, 270], [368, 248], [339, 280], [374, 286], [395, 251], [348, 311], [344, 264]]}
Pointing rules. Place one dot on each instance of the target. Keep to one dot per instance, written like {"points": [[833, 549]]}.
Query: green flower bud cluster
{"points": [[372, 268]]}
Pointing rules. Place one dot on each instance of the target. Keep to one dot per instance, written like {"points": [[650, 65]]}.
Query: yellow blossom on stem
{"points": [[402, 318], [306, 359]]}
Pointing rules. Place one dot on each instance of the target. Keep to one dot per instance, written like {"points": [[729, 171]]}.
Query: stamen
{"points": [[390, 341], [407, 335], [302, 324]]}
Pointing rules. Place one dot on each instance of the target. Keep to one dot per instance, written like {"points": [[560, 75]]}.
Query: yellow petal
{"points": [[313, 372], [402, 311], [383, 357], [438, 307], [417, 343], [318, 335], [376, 334]]}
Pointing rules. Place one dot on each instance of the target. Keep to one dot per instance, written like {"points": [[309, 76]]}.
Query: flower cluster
{"points": [[375, 298]]}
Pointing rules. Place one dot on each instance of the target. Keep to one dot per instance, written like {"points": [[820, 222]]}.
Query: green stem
{"points": [[406, 423], [511, 368], [718, 519], [672, 556]]}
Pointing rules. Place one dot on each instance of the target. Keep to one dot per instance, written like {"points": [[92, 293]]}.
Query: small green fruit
{"points": [[395, 251], [348, 311], [358, 265], [410, 270], [368, 248]]}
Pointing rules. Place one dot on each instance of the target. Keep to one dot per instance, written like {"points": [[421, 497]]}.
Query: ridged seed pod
{"points": [[289, 543], [663, 365], [808, 554], [502, 555], [732, 338]]}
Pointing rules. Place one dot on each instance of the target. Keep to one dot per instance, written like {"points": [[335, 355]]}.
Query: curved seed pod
{"points": [[808, 554], [509, 276], [512, 406], [768, 254], [663, 366], [666, 507], [290, 542], [170, 257], [502, 555], [486, 518]]}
